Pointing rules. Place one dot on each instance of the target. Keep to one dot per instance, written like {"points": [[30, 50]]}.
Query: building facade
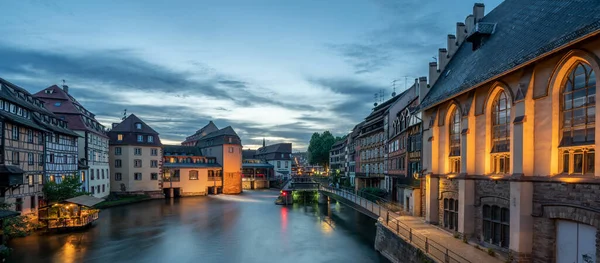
{"points": [[226, 146], [509, 120], [337, 157], [135, 156], [92, 141], [186, 172], [279, 155], [353, 154]]}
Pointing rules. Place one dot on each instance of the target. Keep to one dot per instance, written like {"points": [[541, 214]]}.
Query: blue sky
{"points": [[278, 69]]}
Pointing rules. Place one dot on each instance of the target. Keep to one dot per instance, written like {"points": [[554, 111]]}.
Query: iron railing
{"points": [[392, 222]]}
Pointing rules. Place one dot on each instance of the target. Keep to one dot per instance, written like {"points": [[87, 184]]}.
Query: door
{"points": [[575, 242]]}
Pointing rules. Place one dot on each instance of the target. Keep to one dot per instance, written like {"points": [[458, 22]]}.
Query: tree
{"points": [[319, 147], [69, 187]]}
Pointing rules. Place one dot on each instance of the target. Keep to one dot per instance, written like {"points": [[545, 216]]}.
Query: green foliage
{"points": [[372, 193], [69, 187], [491, 252], [18, 226], [319, 147]]}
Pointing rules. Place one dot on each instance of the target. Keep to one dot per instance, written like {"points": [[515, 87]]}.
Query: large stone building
{"points": [[509, 120], [226, 146], [92, 141], [279, 155], [187, 172], [135, 156]]}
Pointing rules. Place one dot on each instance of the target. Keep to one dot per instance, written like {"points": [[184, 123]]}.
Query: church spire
{"points": [[264, 143]]}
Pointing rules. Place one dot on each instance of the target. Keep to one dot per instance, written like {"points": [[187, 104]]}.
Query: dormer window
{"points": [[481, 32], [119, 137], [138, 126], [57, 104], [49, 91]]}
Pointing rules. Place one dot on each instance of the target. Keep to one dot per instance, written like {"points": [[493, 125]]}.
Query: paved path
{"points": [[429, 238]]}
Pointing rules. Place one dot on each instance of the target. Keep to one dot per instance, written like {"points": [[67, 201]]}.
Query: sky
{"points": [[274, 69]]}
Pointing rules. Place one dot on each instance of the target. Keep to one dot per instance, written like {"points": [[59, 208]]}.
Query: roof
{"points": [[524, 30], [10, 169], [130, 132], [8, 213], [381, 108], [69, 109], [181, 150], [208, 128], [275, 148], [84, 200], [128, 125], [225, 131], [248, 154]]}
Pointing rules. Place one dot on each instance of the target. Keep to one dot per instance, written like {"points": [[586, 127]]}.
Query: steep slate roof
{"points": [[273, 151], [524, 30], [225, 131], [127, 128], [78, 118], [208, 128], [248, 154], [181, 150]]}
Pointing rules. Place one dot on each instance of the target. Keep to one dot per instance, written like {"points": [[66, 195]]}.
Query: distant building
{"points": [[92, 142], [226, 146], [337, 158], [135, 155], [353, 153], [187, 172], [279, 155]]}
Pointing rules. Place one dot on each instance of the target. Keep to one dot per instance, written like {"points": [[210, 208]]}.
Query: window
{"points": [[231, 149], [29, 135], [91, 174], [57, 104], [137, 163], [154, 152], [118, 177], [19, 204], [193, 175], [138, 126], [117, 164], [15, 132], [496, 229], [154, 163], [578, 114], [454, 139], [137, 176], [278, 164], [15, 158], [176, 176], [30, 158], [138, 151], [102, 174], [118, 150], [119, 137], [103, 188], [93, 188], [286, 164], [140, 138], [154, 176], [82, 176], [30, 180], [150, 138], [451, 214], [501, 134]]}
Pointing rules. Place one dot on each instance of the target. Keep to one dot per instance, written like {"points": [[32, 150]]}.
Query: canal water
{"points": [[243, 228]]}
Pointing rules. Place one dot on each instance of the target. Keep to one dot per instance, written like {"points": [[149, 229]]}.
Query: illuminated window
{"points": [[501, 134], [454, 139], [578, 115], [119, 137], [193, 175]]}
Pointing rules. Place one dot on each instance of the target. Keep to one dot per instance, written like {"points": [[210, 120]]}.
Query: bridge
{"points": [[429, 239]]}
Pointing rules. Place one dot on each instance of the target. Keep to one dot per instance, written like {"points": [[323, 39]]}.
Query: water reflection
{"points": [[245, 228]]}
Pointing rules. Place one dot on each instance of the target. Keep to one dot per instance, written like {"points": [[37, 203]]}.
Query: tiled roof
{"points": [[248, 154], [208, 128], [181, 150], [225, 131], [128, 125], [524, 30], [128, 130]]}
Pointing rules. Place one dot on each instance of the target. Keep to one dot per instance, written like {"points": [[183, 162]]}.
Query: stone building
{"points": [[279, 155], [135, 156], [92, 141], [509, 120], [226, 146], [186, 172]]}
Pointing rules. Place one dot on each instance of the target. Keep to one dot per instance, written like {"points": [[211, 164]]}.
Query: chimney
{"points": [[460, 33], [423, 88], [451, 46], [433, 72], [65, 88], [470, 24], [442, 58], [478, 12]]}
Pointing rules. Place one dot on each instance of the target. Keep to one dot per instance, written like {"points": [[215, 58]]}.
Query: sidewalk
{"points": [[429, 238]]}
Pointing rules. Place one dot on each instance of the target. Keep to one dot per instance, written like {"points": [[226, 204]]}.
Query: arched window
{"points": [[454, 139], [193, 175], [578, 115], [501, 133]]}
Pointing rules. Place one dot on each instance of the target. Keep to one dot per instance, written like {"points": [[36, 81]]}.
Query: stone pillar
{"points": [[432, 202], [517, 143], [464, 151], [322, 199], [521, 221], [466, 207], [171, 192]]}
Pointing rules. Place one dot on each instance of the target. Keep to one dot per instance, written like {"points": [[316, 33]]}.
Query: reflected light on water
{"points": [[68, 253], [284, 219], [231, 198], [326, 226]]}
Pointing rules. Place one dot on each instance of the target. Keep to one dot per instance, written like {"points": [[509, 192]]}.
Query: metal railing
{"points": [[392, 221]]}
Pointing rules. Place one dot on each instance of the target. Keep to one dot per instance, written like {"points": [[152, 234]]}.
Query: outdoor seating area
{"points": [[72, 213]]}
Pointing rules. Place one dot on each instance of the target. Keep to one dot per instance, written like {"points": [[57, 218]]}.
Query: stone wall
{"points": [[397, 249], [423, 198], [560, 201], [232, 183], [489, 192], [448, 189]]}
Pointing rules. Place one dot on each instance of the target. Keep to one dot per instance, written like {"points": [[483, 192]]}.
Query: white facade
{"points": [[282, 168], [61, 156], [96, 179]]}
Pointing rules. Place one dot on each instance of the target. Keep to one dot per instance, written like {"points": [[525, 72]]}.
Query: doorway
{"points": [[575, 242]]}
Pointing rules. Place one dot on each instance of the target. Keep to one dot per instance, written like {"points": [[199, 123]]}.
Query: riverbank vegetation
{"points": [[116, 200]]}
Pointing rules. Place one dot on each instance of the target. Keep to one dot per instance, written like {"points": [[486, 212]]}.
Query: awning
{"points": [[11, 175], [10, 169], [84, 200]]}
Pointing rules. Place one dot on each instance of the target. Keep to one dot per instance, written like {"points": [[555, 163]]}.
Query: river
{"points": [[223, 228]]}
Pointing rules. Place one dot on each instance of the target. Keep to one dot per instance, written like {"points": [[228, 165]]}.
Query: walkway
{"points": [[433, 241]]}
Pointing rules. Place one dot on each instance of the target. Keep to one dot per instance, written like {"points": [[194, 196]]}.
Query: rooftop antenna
{"points": [[124, 114], [394, 88], [375, 98]]}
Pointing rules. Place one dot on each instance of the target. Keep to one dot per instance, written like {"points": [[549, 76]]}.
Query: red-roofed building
{"points": [[92, 143]]}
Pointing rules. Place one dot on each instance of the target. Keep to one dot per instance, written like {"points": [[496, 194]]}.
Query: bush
{"points": [[491, 252], [372, 193]]}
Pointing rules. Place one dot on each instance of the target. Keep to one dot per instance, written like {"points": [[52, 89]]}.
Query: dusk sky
{"points": [[278, 69]]}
